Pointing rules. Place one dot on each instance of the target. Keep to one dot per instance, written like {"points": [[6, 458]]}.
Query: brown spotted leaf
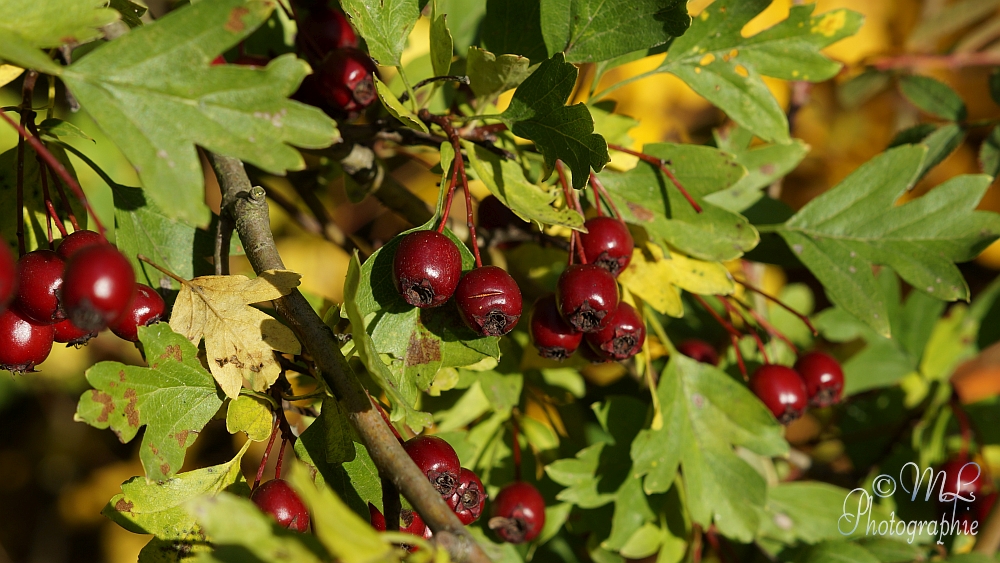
{"points": [[239, 339], [173, 398]]}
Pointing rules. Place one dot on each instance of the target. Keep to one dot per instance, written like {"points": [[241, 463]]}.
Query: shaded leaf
{"points": [[515, 29], [491, 75], [442, 45], [933, 96], [989, 153], [130, 11]]}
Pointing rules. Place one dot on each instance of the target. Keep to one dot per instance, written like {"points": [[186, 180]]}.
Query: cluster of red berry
{"points": [[427, 271], [68, 295], [586, 308]]}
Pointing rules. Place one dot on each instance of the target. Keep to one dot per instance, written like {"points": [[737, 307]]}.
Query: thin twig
{"points": [[600, 190], [753, 331], [734, 335], [780, 303], [449, 78], [267, 453], [952, 61], [572, 202], [663, 166]]}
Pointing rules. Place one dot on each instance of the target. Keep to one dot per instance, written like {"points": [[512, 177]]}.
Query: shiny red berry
{"points": [[23, 344], [326, 30], [623, 336], [8, 276], [78, 241], [39, 280], [146, 308], [469, 497], [345, 80], [409, 523], [823, 377], [98, 287], [518, 513], [277, 498], [489, 301], [963, 478], [699, 350], [426, 268], [781, 390], [552, 336], [492, 214], [608, 244], [68, 333], [586, 295], [438, 461]]}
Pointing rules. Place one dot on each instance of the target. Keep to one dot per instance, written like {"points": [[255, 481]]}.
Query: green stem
{"points": [[409, 89], [312, 395], [467, 118], [661, 334]]}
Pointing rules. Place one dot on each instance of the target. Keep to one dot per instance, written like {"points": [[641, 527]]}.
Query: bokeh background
{"points": [[56, 474]]}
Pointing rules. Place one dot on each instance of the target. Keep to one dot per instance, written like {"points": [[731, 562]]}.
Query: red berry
{"points": [[23, 344], [469, 497], [588, 353], [623, 336], [8, 276], [426, 268], [437, 459], [699, 350], [963, 478], [277, 498], [489, 301], [146, 308], [220, 60], [98, 287], [68, 333], [823, 377], [586, 295], [78, 241], [409, 523], [608, 244], [493, 214], [39, 280], [344, 81], [553, 338], [518, 513], [780, 389], [327, 30]]}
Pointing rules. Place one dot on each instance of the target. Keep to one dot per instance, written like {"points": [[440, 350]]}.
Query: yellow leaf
{"points": [[250, 415], [658, 279], [8, 73], [238, 338]]}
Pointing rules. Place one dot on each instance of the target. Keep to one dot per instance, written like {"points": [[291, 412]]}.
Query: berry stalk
{"points": [[663, 166], [571, 201]]}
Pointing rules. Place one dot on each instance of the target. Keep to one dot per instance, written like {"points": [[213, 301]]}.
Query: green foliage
{"points": [[33, 210], [933, 97], [29, 26], [385, 25]]}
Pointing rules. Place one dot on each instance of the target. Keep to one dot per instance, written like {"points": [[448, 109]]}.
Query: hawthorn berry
{"points": [[327, 30], [345, 81], [588, 353], [39, 280], [781, 390], [98, 287], [586, 295], [276, 497], [469, 497], [963, 478], [409, 523], [518, 513], [146, 308], [426, 268], [78, 241], [68, 333], [437, 459], [8, 276], [489, 300], [608, 244], [623, 335], [553, 338], [823, 377], [699, 351], [23, 343]]}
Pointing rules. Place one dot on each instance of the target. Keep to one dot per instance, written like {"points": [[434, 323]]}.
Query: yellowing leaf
{"points": [[250, 415], [658, 279], [8, 73], [238, 338]]}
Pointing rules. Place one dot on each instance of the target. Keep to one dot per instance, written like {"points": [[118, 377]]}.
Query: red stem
{"points": [[781, 304], [468, 210], [20, 195], [449, 197], [753, 332], [734, 335], [516, 445], [599, 191], [572, 201], [774, 332], [267, 453], [662, 164], [281, 456]]}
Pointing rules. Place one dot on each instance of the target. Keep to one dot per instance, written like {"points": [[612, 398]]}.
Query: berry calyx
{"points": [[586, 295], [68, 333], [327, 30], [345, 80], [823, 377], [426, 268], [552, 336], [39, 280], [469, 497], [608, 244], [489, 301], [699, 351], [276, 497], [98, 287], [146, 308], [781, 390], [438, 461], [623, 336], [518, 513], [8, 276], [78, 241], [23, 343]]}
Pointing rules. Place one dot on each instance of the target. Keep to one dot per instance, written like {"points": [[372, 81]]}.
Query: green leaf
{"points": [[154, 94], [442, 45], [490, 75], [174, 398], [705, 414], [337, 430], [933, 97], [130, 11], [29, 25], [989, 153], [250, 415], [60, 129], [396, 107], [402, 393], [357, 481], [33, 210], [940, 144], [805, 512], [538, 112], [385, 25], [589, 31], [631, 512], [614, 127], [645, 197], [160, 508], [765, 164], [514, 28], [718, 62], [465, 18], [837, 552], [841, 233]]}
